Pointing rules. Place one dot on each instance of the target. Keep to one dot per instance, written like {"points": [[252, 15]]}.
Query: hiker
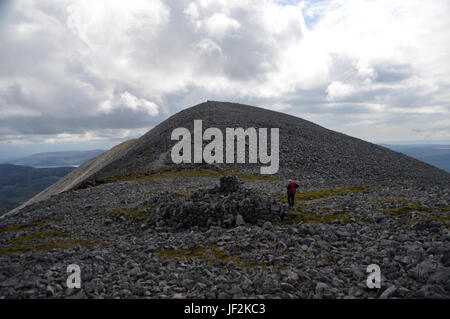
{"points": [[291, 188]]}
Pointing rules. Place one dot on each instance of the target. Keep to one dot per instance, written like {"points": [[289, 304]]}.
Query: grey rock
{"points": [[378, 218], [424, 270], [267, 225], [292, 276], [70, 291], [445, 259], [389, 292], [50, 291], [321, 287], [287, 287], [239, 220]]}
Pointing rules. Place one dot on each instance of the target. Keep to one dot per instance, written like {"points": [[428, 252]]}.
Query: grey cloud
{"points": [[393, 73], [14, 95], [51, 58], [73, 123]]}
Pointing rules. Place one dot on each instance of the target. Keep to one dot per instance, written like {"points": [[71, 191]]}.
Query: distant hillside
{"points": [[57, 159], [19, 183], [437, 155]]}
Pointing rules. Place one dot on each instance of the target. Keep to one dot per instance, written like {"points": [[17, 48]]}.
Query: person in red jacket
{"points": [[291, 189]]}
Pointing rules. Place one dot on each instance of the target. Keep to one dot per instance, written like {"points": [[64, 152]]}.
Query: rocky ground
{"points": [[234, 240]]}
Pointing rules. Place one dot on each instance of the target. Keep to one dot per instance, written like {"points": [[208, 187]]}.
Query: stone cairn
{"points": [[227, 205]]}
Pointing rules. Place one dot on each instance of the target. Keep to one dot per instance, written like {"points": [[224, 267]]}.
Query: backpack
{"points": [[292, 188]]}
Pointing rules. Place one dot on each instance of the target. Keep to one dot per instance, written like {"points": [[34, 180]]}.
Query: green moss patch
{"points": [[320, 194], [249, 177], [440, 218], [138, 213], [295, 217], [47, 246], [329, 193], [189, 253], [39, 236], [173, 172], [397, 211], [126, 143], [22, 227], [390, 200]]}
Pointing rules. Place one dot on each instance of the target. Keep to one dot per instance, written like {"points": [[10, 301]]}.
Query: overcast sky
{"points": [[91, 73]]}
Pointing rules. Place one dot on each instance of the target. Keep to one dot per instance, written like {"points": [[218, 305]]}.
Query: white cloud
{"points": [[381, 63], [127, 100], [135, 103], [192, 12], [338, 90], [218, 25], [208, 47]]}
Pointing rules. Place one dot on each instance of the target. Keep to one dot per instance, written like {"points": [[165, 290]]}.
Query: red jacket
{"points": [[292, 187]]}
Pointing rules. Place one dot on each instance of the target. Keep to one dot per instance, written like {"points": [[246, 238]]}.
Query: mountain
{"points": [[56, 159], [20, 183], [437, 155], [140, 226], [307, 152]]}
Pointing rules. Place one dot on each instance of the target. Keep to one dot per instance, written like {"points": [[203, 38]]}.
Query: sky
{"points": [[89, 74]]}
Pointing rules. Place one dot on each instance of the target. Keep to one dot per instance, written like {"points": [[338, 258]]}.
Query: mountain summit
{"points": [[307, 150]]}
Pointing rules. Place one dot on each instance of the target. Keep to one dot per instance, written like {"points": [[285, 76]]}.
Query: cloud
{"points": [[338, 90], [130, 101], [218, 25], [80, 68]]}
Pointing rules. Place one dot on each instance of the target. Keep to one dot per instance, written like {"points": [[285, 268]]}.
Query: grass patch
{"points": [[440, 218], [22, 227], [129, 142], [165, 172], [190, 253], [320, 194], [249, 177], [48, 246], [390, 200], [40, 236], [295, 217], [42, 241], [213, 255], [173, 172], [397, 211], [138, 213], [329, 193]]}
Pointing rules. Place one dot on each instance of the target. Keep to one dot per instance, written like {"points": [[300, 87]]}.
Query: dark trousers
{"points": [[291, 198]]}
